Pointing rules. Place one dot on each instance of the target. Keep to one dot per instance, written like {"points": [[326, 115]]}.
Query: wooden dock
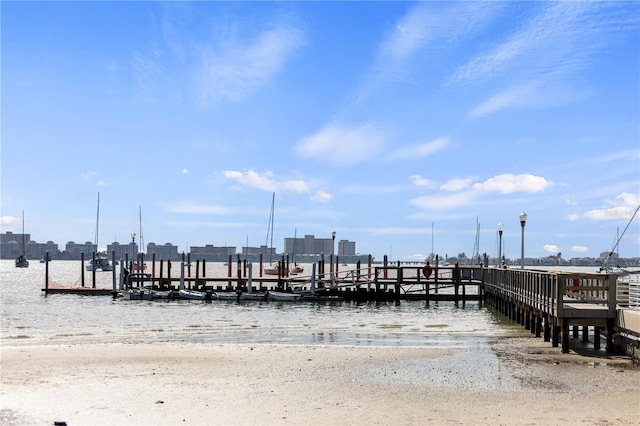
{"points": [[556, 305], [553, 302]]}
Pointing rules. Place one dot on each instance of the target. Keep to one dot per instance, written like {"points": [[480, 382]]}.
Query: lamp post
{"points": [[523, 221], [500, 229]]}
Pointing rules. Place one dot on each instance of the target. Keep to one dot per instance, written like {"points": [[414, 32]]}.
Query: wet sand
{"points": [[515, 381]]}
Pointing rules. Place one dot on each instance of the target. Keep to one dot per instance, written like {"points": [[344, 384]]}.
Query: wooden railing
{"points": [[560, 299]]}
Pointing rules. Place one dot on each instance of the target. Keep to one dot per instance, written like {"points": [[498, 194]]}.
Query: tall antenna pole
{"points": [[431, 237], [97, 222]]}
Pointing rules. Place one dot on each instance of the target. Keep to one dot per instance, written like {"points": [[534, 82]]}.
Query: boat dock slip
{"points": [[555, 305]]}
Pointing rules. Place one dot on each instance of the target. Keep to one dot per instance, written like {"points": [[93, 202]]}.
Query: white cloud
{"points": [[343, 145], [508, 183], [456, 184], [9, 220], [579, 249], [322, 196], [185, 171], [422, 182], [101, 183], [572, 217], [266, 181], [536, 75], [551, 248], [232, 70], [623, 207], [420, 150]]}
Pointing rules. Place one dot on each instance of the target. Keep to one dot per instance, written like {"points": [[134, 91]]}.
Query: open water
{"points": [[31, 318]]}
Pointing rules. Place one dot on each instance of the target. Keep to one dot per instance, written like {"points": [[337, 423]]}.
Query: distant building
{"points": [[165, 252]]}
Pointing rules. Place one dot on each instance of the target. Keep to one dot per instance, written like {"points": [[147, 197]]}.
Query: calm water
{"points": [[30, 318]]}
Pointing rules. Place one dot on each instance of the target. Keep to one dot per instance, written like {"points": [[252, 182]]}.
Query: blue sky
{"points": [[382, 121]]}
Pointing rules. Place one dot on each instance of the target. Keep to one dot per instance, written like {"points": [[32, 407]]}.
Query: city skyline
{"points": [[409, 127]]}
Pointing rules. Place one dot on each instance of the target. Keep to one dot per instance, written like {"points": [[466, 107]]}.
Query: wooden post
{"points": [[161, 265], [239, 273], [384, 263], [82, 269], [93, 271], [189, 264], [313, 278], [153, 265], [250, 278], [229, 262], [456, 283], [113, 271], [398, 284], [46, 271], [564, 330], [182, 274], [204, 268]]}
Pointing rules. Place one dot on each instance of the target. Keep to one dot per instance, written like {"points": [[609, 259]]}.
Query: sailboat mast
{"points": [[270, 227], [141, 237], [97, 223], [23, 248]]}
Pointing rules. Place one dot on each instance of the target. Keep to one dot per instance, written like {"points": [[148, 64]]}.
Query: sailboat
{"points": [[101, 261], [297, 269], [271, 269], [140, 266], [21, 261]]}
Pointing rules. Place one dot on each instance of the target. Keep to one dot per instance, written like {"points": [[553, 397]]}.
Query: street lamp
{"points": [[523, 221], [500, 229], [333, 242]]}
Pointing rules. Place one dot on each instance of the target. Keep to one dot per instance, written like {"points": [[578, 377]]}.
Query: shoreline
{"points": [[513, 380]]}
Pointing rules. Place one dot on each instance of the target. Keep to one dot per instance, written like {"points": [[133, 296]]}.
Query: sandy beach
{"points": [[523, 381]]}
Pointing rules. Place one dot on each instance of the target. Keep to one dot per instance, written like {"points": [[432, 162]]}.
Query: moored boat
{"points": [[22, 262], [196, 295], [240, 296], [101, 263], [283, 296]]}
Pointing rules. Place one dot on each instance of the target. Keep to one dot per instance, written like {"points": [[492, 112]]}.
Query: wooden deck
{"points": [[552, 302]]}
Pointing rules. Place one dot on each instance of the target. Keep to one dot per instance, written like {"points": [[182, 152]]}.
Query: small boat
{"points": [[322, 297], [21, 260], [138, 294], [281, 296], [297, 269], [196, 295], [101, 263], [240, 296], [271, 270]]}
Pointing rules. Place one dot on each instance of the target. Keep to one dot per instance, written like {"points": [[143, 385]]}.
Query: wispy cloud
{"points": [[539, 63], [420, 150], [456, 184], [266, 181], [343, 145], [234, 69], [322, 196], [421, 182]]}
